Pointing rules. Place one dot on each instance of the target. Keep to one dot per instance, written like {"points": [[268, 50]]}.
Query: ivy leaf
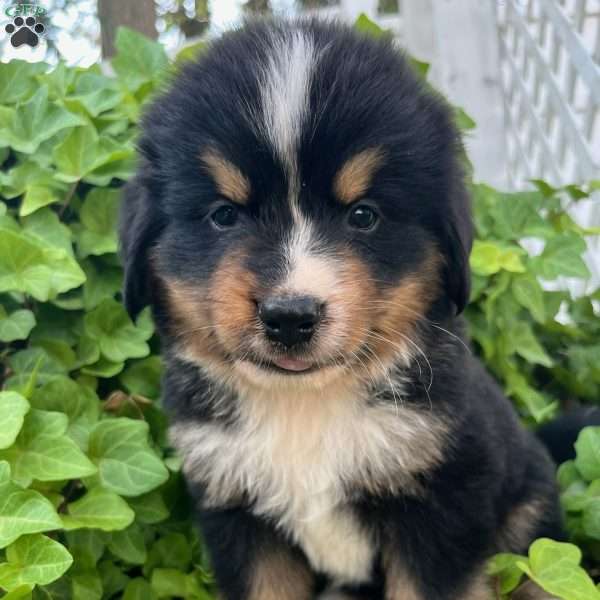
{"points": [[504, 567], [28, 265], [587, 447], [126, 463], [488, 258], [82, 151], [139, 589], [139, 60], [129, 545], [554, 566], [16, 326], [529, 294], [33, 364], [538, 405], [143, 377], [123, 169], [13, 408], [49, 458], [79, 403], [95, 101], [88, 545], [98, 509], [561, 256], [591, 518], [172, 551], [103, 368], [463, 121], [102, 281], [43, 422], [46, 227], [149, 508], [36, 197], [17, 80], [369, 27], [167, 583], [43, 452], [523, 342], [35, 183], [59, 81], [86, 585], [23, 592], [22, 511], [118, 337], [114, 581], [99, 216], [35, 121], [33, 560]]}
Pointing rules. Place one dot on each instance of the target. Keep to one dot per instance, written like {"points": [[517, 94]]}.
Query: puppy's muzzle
{"points": [[290, 320]]}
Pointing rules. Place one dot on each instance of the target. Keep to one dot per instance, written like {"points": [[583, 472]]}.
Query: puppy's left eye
{"points": [[362, 217], [225, 216]]}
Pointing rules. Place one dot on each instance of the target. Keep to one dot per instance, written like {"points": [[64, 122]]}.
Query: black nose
{"points": [[290, 320]]}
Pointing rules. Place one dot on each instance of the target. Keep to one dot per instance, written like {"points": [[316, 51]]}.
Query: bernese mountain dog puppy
{"points": [[300, 226]]}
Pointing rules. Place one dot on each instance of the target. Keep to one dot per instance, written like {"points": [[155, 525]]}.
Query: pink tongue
{"points": [[291, 364]]}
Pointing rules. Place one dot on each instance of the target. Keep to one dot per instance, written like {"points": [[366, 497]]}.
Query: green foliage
{"points": [[92, 503], [89, 508], [553, 566], [579, 482], [541, 361]]}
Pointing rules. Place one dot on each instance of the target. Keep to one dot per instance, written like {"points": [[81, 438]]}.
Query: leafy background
{"points": [[92, 502]]}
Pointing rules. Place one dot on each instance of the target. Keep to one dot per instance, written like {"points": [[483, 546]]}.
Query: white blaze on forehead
{"points": [[285, 99], [309, 271], [285, 105]]}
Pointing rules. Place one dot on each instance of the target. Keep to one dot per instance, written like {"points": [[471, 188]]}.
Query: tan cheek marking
{"points": [[401, 307], [210, 320], [354, 178], [230, 298], [350, 301], [190, 321], [230, 181], [279, 576]]}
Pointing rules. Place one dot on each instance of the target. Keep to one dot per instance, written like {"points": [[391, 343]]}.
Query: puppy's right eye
{"points": [[225, 216]]}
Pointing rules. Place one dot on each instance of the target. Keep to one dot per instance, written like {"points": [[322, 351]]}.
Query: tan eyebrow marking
{"points": [[354, 178], [230, 181]]}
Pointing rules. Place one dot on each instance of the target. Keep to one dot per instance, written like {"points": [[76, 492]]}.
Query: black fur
{"points": [[364, 94]]}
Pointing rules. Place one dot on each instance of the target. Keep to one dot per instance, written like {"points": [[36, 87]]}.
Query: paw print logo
{"points": [[24, 31]]}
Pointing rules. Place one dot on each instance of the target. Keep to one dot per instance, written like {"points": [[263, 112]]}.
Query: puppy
{"points": [[300, 225]]}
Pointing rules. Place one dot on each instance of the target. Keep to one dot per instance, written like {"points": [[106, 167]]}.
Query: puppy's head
{"points": [[299, 208]]}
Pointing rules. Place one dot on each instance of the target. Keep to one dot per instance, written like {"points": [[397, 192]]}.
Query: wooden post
{"points": [[136, 14], [418, 32], [466, 68]]}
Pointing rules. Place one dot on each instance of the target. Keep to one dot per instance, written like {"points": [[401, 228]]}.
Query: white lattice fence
{"points": [[549, 59], [550, 55]]}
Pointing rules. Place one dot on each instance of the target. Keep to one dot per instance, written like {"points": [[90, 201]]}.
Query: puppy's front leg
{"points": [[252, 561], [400, 585]]}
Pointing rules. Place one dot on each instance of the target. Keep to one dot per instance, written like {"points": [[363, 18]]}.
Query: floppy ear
{"points": [[458, 240], [140, 224]]}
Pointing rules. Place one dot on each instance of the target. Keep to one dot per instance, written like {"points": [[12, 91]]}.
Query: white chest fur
{"points": [[297, 457]]}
